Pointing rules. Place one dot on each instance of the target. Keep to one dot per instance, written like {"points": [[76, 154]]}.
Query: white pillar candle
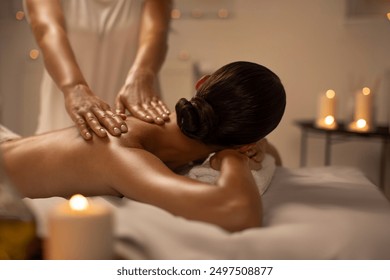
{"points": [[363, 111], [364, 105], [80, 230], [326, 117]]}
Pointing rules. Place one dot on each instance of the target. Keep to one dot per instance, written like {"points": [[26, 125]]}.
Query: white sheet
{"points": [[309, 213], [7, 135]]}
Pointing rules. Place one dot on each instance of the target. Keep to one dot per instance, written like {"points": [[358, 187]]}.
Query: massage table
{"points": [[316, 213]]}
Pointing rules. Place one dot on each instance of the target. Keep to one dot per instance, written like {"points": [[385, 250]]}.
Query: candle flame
{"points": [[34, 54], [78, 202], [175, 14], [19, 15], [329, 120], [361, 123], [330, 93], [366, 91]]}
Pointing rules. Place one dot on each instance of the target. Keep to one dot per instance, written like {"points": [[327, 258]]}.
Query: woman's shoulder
{"points": [[136, 134]]}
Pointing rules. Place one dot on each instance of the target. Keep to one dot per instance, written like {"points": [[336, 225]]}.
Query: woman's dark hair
{"points": [[238, 104]]}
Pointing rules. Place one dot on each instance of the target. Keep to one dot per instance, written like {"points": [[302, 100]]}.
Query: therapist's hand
{"points": [[140, 96], [91, 114]]}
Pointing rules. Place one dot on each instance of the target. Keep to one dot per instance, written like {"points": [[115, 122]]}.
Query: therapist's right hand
{"points": [[91, 114]]}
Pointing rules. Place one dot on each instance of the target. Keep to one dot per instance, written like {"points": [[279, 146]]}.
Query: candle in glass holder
{"points": [[362, 121], [80, 230], [326, 117]]}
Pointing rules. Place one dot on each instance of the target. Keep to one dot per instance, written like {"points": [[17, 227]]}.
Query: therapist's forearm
{"points": [[60, 61], [48, 27], [153, 46], [150, 56]]}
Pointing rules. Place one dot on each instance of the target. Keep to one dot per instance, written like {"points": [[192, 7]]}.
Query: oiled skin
{"points": [[138, 165]]}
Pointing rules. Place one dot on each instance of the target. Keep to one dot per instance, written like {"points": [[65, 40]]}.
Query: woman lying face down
{"points": [[232, 110]]}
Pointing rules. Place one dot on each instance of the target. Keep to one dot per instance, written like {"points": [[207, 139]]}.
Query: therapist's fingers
{"points": [[149, 108], [142, 102], [135, 109], [140, 113], [82, 127], [120, 107], [86, 124], [113, 123], [94, 124], [146, 112], [161, 109], [156, 109]]}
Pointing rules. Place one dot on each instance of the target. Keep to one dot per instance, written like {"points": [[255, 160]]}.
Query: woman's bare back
{"points": [[74, 164]]}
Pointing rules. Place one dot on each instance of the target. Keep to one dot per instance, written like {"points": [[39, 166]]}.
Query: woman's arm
{"points": [[68, 167], [83, 106], [234, 203], [141, 92]]}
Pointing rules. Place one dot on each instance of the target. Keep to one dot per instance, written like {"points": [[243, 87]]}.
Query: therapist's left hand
{"points": [[140, 96]]}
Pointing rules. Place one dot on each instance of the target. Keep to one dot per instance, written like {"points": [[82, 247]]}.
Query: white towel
{"points": [[263, 177], [7, 135]]}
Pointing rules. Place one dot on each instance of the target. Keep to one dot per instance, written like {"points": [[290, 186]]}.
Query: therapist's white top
{"points": [[104, 38]]}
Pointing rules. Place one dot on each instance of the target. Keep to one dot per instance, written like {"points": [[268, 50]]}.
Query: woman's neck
{"points": [[169, 144]]}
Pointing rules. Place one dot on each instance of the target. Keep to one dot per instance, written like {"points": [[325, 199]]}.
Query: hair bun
{"points": [[195, 118], [187, 118]]}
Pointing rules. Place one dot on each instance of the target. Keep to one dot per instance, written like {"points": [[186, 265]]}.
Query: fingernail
{"points": [[116, 130], [123, 128], [149, 117], [159, 119], [88, 135]]}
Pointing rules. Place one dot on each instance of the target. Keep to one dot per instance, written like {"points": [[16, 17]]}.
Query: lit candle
{"points": [[326, 117], [80, 230], [363, 111]]}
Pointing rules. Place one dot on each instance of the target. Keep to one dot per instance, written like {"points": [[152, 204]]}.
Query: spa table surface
{"points": [[342, 134]]}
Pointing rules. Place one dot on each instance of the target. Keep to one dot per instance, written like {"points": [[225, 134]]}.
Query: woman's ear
{"points": [[201, 81]]}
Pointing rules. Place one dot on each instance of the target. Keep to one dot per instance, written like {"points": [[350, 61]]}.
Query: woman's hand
{"points": [[140, 97], [256, 153], [89, 112]]}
